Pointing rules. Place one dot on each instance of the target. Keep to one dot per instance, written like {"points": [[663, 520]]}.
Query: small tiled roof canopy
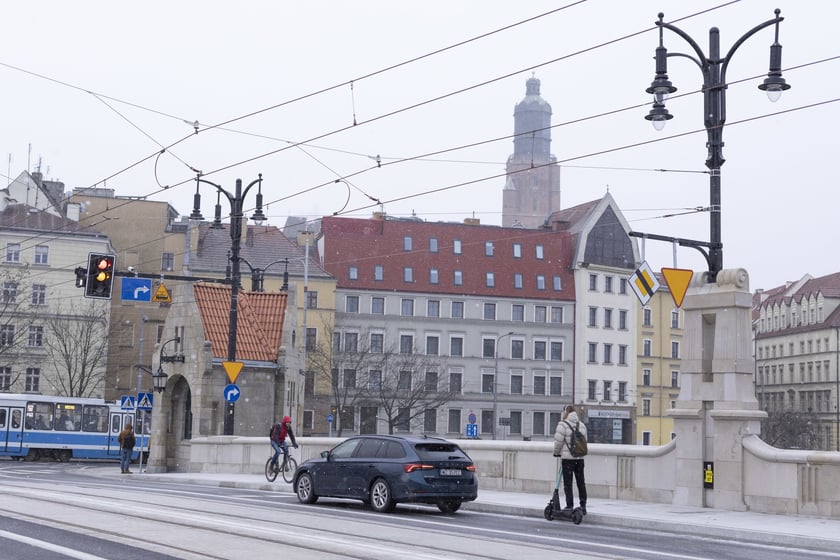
{"points": [[259, 321]]}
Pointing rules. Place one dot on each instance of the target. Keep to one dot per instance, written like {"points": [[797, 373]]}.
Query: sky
{"points": [[348, 108]]}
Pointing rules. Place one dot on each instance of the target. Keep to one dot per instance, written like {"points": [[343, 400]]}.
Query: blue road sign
{"points": [[330, 418], [231, 393], [127, 403], [144, 401], [136, 289], [472, 430]]}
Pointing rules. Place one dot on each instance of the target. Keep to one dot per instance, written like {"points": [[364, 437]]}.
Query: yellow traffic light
{"points": [[100, 276]]}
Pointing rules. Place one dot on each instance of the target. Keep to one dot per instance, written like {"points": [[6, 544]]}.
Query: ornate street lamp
{"points": [[713, 68]]}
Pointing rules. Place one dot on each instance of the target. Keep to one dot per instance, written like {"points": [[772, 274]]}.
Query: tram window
{"points": [[69, 417], [3, 413], [115, 424], [95, 419], [16, 419], [41, 415], [143, 423]]}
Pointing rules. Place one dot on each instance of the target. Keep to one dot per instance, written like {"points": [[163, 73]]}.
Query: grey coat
{"points": [[563, 435]]}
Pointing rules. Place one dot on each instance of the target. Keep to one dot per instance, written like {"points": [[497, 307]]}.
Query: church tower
{"points": [[532, 187]]}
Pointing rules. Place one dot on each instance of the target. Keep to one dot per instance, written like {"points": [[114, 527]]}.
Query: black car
{"points": [[383, 470]]}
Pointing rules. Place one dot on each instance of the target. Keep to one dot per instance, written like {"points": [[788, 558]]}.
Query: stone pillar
{"points": [[717, 406]]}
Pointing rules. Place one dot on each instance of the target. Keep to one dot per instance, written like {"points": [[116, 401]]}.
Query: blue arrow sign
{"points": [[136, 289], [231, 393]]}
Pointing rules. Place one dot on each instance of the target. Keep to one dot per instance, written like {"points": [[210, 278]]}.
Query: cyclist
{"points": [[278, 439]]}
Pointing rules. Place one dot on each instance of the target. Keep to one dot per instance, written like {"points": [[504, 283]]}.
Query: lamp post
{"points": [[236, 215], [258, 275], [713, 68], [496, 380]]}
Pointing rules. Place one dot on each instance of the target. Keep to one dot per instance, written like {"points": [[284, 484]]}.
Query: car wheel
{"points": [[380, 496], [305, 489], [449, 506]]}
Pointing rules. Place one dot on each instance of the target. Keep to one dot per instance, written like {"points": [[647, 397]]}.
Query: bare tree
{"points": [[76, 340], [410, 386], [789, 430], [16, 316]]}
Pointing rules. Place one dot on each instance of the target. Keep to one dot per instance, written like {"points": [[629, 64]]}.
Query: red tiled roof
{"points": [[259, 321]]}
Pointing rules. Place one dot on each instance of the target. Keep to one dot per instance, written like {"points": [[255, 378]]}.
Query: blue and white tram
{"points": [[63, 428]]}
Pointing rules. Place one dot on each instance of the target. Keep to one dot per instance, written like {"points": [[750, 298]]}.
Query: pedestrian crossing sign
{"points": [[127, 403], [144, 401]]}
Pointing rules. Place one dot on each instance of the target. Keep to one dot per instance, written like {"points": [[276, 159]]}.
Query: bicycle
{"points": [[288, 467]]}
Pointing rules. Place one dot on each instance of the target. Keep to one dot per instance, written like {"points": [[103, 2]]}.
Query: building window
{"points": [[32, 381], [539, 384], [515, 423], [351, 304], [517, 250], [7, 335], [646, 408], [488, 348], [590, 389], [5, 379], [556, 314], [517, 312], [646, 347], [622, 319], [607, 391], [433, 245], [12, 252], [434, 276], [39, 294], [592, 352], [488, 248], [622, 354], [374, 379], [167, 262], [430, 420], [608, 284], [455, 381], [408, 274], [457, 309], [675, 319], [454, 424], [675, 350], [622, 286], [555, 385], [557, 283], [556, 351], [490, 279], [458, 278], [10, 290], [608, 318], [539, 350], [516, 384], [517, 280], [36, 336], [540, 312], [456, 346], [540, 282], [593, 317], [517, 349], [42, 254], [430, 384], [349, 378], [622, 391], [646, 374], [675, 378], [607, 353], [379, 273], [490, 311], [406, 344], [351, 343], [433, 308], [647, 317], [539, 424], [377, 343], [408, 243], [404, 380], [593, 282], [432, 345], [456, 246], [311, 338], [407, 307], [539, 253], [377, 305], [311, 299], [487, 382]]}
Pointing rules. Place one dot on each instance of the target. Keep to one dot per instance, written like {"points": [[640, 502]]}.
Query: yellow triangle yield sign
{"points": [[678, 280], [232, 369]]}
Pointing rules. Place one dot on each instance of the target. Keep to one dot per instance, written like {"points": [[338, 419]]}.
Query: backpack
{"points": [[272, 433], [578, 446]]}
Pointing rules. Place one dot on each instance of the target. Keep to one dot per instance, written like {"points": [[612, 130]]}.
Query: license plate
{"points": [[450, 472]]}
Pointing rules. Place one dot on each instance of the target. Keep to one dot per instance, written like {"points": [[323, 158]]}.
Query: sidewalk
{"points": [[797, 531]]}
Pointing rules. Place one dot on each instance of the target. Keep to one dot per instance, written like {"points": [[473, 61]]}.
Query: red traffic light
{"points": [[100, 276]]}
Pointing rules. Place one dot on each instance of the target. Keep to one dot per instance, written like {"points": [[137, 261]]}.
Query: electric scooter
{"points": [[555, 511]]}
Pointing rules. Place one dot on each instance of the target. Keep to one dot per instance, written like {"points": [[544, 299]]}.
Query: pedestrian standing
{"points": [[127, 441], [571, 466]]}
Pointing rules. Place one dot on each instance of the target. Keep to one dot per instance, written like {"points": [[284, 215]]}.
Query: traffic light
{"points": [[100, 276]]}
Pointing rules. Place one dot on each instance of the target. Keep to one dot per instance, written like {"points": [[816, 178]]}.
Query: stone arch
{"points": [[172, 427]]}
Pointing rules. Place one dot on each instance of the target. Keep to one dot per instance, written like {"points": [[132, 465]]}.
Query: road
{"points": [[55, 511]]}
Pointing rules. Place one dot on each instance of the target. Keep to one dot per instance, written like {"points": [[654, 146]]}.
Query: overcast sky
{"points": [[98, 89]]}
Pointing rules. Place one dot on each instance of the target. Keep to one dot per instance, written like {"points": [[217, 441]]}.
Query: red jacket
{"points": [[283, 430]]}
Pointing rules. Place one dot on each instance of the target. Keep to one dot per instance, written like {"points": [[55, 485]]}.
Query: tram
{"points": [[63, 428]]}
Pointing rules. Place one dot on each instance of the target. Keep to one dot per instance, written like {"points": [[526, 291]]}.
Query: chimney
{"points": [[472, 221]]}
